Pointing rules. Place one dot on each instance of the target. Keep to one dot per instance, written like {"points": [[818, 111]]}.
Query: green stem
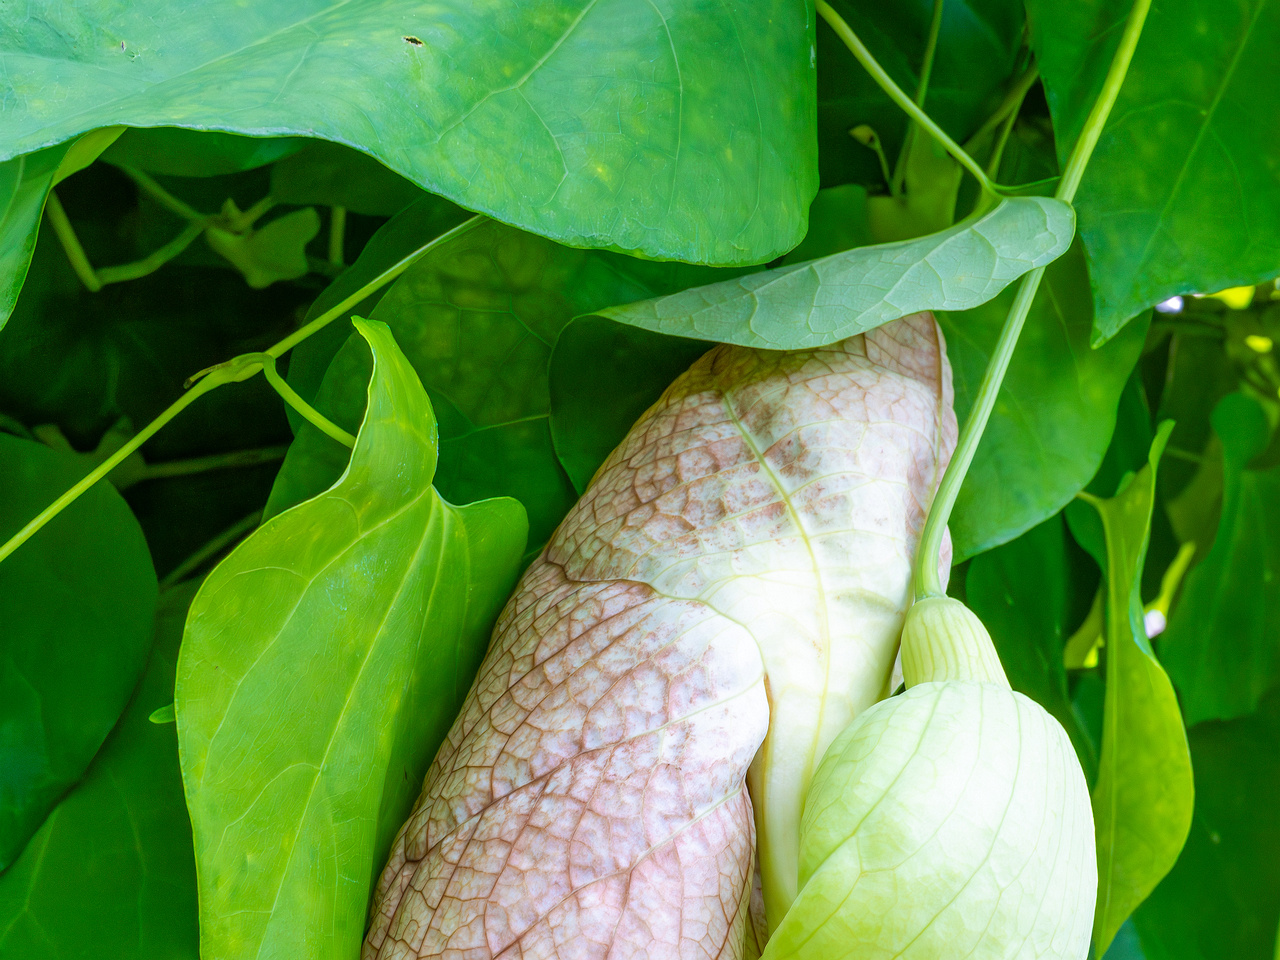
{"points": [[104, 468], [337, 234], [167, 200], [153, 261], [66, 235], [896, 94], [922, 91], [217, 461], [248, 218], [310, 413], [234, 370], [928, 583], [382, 279]]}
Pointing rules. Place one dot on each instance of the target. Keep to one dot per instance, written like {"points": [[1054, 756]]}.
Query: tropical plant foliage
{"points": [[456, 250]]}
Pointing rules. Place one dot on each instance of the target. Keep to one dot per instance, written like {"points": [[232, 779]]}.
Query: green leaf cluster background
{"points": [[604, 188]]}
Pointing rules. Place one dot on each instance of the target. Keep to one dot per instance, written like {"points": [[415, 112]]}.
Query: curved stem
{"points": [[152, 261], [66, 235], [927, 582], [167, 199], [234, 370], [309, 413], [896, 94]]}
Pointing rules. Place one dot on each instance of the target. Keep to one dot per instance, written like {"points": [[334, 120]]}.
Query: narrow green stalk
{"points": [[251, 216], [337, 234], [154, 260], [104, 468], [66, 235], [310, 413], [217, 461], [234, 370], [167, 199], [381, 280], [927, 582], [922, 91], [896, 94]]}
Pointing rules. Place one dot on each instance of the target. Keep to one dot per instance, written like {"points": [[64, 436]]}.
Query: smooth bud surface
{"points": [[951, 821]]}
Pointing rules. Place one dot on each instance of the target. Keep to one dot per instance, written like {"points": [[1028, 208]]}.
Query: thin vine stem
{"points": [[66, 234], [308, 412], [232, 371], [927, 581], [898, 96], [166, 199], [922, 92]]}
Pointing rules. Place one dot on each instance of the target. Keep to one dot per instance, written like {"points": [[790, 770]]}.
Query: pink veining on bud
{"points": [[725, 597]]}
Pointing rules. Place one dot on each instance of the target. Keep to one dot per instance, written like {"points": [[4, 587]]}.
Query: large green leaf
{"points": [[1222, 647], [110, 875], [24, 185], [77, 603], [1181, 193], [810, 304], [1222, 899], [678, 129], [477, 318], [977, 52], [1143, 797], [323, 663], [1020, 592], [1055, 413]]}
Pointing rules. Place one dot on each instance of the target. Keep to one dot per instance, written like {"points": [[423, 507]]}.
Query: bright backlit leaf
{"points": [[680, 129], [77, 603], [827, 300], [323, 662], [24, 185], [1143, 798]]}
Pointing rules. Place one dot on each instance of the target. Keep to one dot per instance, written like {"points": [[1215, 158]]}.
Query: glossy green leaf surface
{"points": [[826, 300], [682, 130], [1019, 592], [331, 174], [24, 185], [77, 603], [176, 152], [1143, 798], [1180, 194], [110, 875], [477, 318], [323, 662], [1222, 647], [1055, 413], [1221, 901]]}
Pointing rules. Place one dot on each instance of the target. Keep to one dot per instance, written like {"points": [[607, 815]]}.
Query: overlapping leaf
{"points": [[1222, 647], [110, 875], [477, 318], [838, 296], [323, 662], [24, 184], [76, 608], [1180, 195], [1143, 797], [679, 129]]}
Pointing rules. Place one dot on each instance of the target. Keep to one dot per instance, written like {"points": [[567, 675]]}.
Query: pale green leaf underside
{"points": [[322, 665], [827, 300], [682, 129]]}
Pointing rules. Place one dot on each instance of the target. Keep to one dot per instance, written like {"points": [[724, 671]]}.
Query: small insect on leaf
{"points": [[413, 40]]}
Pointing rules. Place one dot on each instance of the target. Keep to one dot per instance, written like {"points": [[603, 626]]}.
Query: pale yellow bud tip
{"points": [[942, 640]]}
